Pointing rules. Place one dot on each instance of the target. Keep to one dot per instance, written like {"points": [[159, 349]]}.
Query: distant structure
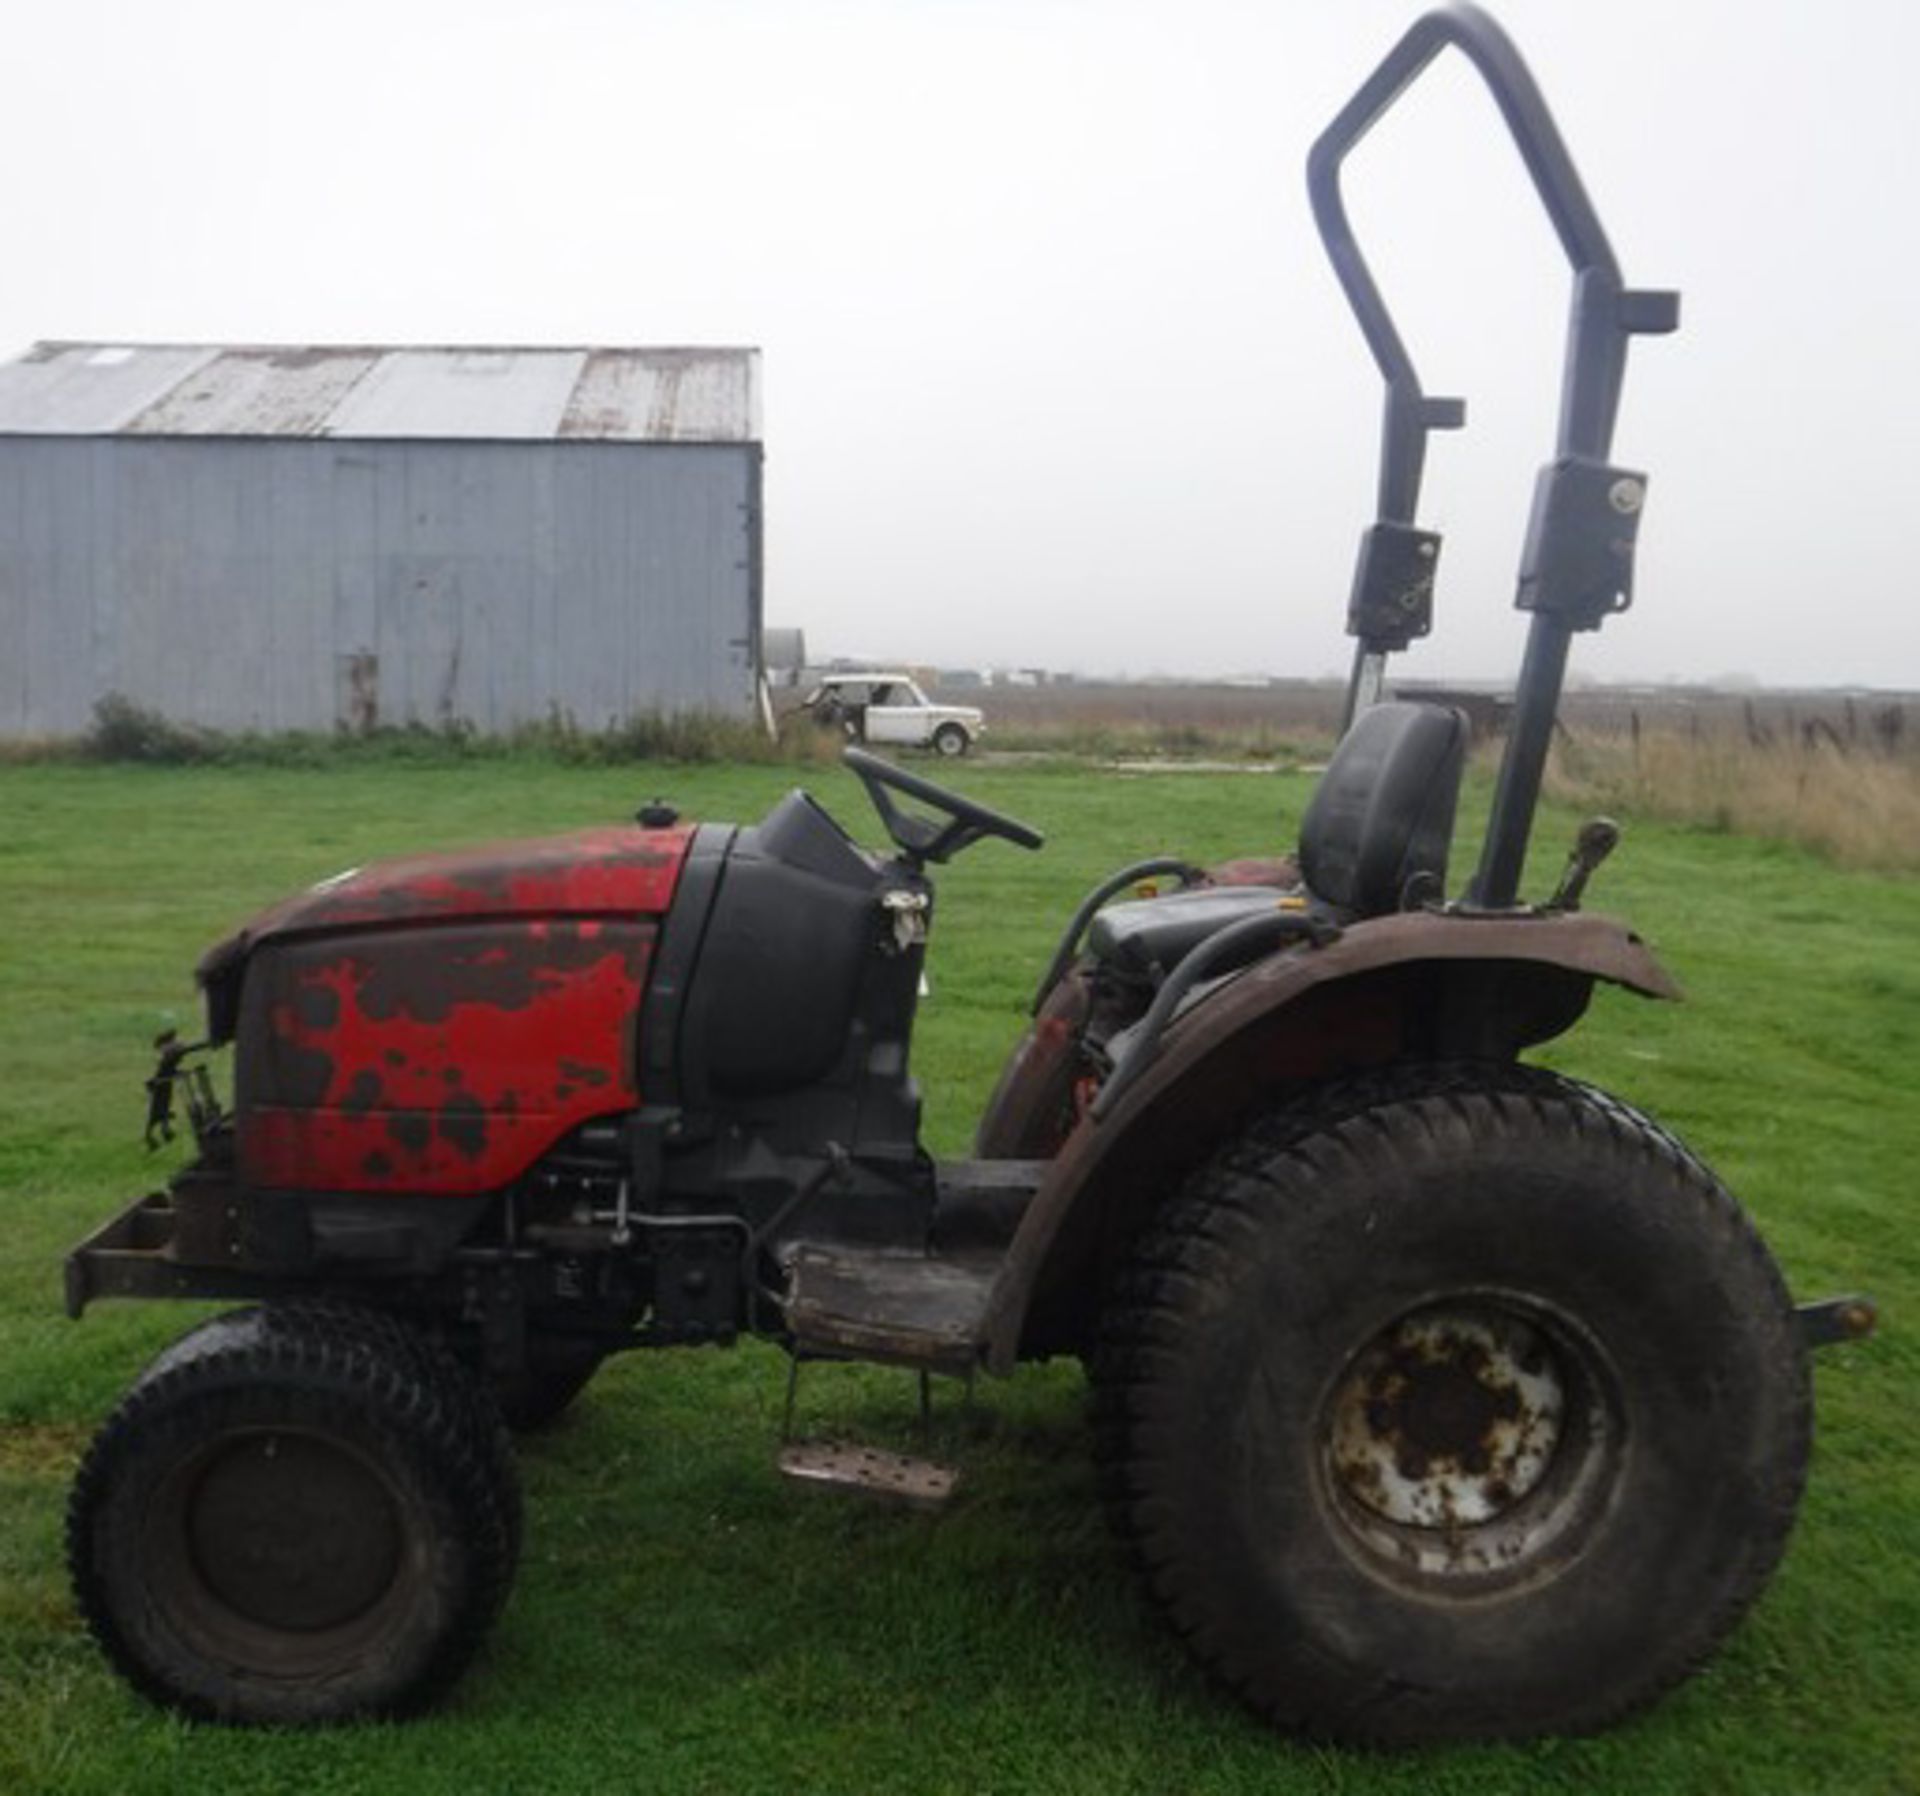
{"points": [[301, 538], [786, 655]]}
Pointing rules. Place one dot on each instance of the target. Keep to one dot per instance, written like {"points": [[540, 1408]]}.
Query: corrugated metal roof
{"points": [[627, 395], [90, 389], [251, 393]]}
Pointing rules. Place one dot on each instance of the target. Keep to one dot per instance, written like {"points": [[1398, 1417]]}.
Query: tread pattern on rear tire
{"points": [[1342, 1132]]}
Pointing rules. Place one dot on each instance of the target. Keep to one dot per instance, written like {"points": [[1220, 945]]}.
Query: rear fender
{"points": [[1417, 985]]}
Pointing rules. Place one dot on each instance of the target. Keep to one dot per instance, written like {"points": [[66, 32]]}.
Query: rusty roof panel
{"points": [[665, 396], [258, 393], [165, 390]]}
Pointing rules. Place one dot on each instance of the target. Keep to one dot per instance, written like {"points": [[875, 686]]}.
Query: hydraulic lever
{"points": [[1598, 838]]}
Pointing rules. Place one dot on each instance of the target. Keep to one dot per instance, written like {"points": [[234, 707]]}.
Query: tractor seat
{"points": [[1151, 936], [1378, 825], [1382, 816]]}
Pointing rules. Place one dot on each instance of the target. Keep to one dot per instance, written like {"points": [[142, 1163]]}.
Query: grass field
{"points": [[684, 1622]]}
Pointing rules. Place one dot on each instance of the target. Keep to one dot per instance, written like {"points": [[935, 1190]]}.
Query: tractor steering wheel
{"points": [[921, 839]]}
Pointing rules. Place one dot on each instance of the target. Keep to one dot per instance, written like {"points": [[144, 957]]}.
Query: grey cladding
{"points": [[502, 536]]}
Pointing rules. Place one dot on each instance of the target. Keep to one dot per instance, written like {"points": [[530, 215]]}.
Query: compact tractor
{"points": [[1436, 1395]]}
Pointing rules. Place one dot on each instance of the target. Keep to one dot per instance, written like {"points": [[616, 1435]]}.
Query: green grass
{"points": [[683, 1622]]}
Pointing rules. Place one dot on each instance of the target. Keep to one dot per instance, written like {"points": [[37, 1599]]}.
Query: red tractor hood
{"points": [[623, 871]]}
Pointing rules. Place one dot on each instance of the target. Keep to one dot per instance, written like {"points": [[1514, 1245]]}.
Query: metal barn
{"points": [[285, 538]]}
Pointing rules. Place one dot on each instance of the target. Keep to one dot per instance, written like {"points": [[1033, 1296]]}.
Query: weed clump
{"points": [[128, 733], [124, 731]]}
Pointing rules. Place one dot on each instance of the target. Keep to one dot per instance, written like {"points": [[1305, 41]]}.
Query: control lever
{"points": [[1598, 838]]}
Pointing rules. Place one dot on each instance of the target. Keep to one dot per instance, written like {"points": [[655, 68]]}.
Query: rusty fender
{"points": [[1421, 984]]}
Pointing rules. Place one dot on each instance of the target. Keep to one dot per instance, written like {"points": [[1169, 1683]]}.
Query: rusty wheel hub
{"points": [[1451, 1416], [1467, 1442]]}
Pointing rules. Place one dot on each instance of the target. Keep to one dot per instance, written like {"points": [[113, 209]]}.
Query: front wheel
{"points": [[950, 741], [1463, 1403], [293, 1517]]}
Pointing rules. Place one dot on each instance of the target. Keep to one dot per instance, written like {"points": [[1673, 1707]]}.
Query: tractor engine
{"points": [[529, 1092]]}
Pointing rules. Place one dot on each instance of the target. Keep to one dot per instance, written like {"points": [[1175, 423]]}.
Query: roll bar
{"points": [[1577, 565]]}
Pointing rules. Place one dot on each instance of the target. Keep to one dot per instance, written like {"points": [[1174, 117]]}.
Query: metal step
{"points": [[893, 1308], [979, 1203], [868, 1471]]}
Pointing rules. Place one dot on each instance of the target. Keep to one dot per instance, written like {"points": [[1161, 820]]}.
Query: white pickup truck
{"points": [[890, 708]]}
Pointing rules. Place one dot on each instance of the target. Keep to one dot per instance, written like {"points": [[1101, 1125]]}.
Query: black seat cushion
{"points": [[1383, 811], [1151, 936]]}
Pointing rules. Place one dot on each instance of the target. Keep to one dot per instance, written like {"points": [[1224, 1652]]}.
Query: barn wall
{"points": [[271, 585]]}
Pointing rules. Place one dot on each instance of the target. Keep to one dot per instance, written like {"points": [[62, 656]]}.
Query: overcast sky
{"points": [[1055, 372]]}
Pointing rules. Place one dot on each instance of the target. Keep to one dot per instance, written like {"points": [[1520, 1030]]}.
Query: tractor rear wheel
{"points": [[293, 1517], [557, 1371], [1459, 1403]]}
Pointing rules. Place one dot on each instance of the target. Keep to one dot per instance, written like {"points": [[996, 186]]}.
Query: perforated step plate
{"points": [[868, 1471]]}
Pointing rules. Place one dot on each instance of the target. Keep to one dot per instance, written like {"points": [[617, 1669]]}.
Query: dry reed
{"points": [[1859, 809]]}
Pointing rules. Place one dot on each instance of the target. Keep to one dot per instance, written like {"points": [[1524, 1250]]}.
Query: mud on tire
{"points": [[1461, 1403], [297, 1515]]}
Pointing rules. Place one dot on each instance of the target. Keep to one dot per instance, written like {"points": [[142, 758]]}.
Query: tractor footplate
{"points": [[894, 1308], [869, 1471]]}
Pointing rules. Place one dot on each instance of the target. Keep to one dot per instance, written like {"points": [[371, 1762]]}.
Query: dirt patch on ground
{"points": [[41, 1447]]}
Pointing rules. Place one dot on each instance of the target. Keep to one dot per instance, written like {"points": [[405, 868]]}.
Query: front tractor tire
{"points": [[295, 1517], [1460, 1403]]}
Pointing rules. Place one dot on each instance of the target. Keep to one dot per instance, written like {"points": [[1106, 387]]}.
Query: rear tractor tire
{"points": [[295, 1516], [1460, 1403], [557, 1371]]}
